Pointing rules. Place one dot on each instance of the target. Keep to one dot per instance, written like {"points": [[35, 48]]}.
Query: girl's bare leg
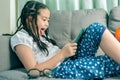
{"points": [[110, 45]]}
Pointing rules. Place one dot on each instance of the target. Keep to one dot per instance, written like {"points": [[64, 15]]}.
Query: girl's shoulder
{"points": [[21, 37], [21, 34]]}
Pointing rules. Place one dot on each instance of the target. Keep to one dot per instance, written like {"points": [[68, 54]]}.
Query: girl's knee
{"points": [[96, 28]]}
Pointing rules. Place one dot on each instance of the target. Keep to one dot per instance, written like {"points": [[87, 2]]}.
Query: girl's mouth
{"points": [[42, 31]]}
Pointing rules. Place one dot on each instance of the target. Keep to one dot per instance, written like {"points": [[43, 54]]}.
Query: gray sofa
{"points": [[64, 26]]}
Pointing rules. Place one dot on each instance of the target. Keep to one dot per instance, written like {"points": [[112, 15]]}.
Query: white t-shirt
{"points": [[22, 37]]}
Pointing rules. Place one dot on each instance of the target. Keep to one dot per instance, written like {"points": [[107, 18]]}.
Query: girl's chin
{"points": [[41, 34]]}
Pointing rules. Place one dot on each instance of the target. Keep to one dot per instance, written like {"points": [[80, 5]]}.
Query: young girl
{"points": [[75, 60]]}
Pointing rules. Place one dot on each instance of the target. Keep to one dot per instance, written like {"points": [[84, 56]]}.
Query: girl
{"points": [[75, 60]]}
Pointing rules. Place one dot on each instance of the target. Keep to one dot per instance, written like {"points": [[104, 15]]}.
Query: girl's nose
{"points": [[47, 24]]}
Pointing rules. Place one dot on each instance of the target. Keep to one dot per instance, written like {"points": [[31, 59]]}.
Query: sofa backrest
{"points": [[8, 59], [114, 19], [65, 25]]}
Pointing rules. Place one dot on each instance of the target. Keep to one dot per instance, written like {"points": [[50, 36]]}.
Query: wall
{"points": [[7, 16], [4, 16]]}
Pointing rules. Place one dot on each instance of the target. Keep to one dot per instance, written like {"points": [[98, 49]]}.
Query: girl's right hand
{"points": [[69, 50]]}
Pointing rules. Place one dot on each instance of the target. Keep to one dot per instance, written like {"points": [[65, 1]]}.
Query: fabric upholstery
{"points": [[18, 74], [65, 25], [60, 28], [8, 59], [114, 19]]}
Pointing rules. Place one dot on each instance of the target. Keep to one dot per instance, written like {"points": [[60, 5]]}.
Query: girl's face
{"points": [[43, 20]]}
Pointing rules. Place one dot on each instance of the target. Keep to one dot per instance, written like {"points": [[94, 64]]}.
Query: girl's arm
{"points": [[26, 56]]}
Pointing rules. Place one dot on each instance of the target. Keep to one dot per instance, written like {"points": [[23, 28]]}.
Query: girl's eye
{"points": [[44, 19]]}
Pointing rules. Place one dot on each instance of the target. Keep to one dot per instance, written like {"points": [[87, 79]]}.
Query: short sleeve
{"points": [[21, 38]]}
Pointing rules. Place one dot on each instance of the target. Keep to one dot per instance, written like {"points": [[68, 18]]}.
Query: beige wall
{"points": [[7, 16], [4, 16]]}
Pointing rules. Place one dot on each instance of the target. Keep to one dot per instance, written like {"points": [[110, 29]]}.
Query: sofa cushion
{"points": [[65, 25], [83, 18], [114, 19], [16, 74], [8, 58], [20, 74], [60, 28]]}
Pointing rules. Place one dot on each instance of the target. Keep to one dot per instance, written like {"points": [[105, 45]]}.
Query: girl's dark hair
{"points": [[31, 9]]}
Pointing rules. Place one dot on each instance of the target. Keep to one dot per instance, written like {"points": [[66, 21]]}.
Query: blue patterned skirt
{"points": [[84, 64]]}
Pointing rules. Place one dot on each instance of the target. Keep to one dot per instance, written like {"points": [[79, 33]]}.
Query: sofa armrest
{"points": [[8, 59]]}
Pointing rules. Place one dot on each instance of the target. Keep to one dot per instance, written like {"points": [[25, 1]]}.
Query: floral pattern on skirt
{"points": [[84, 64]]}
